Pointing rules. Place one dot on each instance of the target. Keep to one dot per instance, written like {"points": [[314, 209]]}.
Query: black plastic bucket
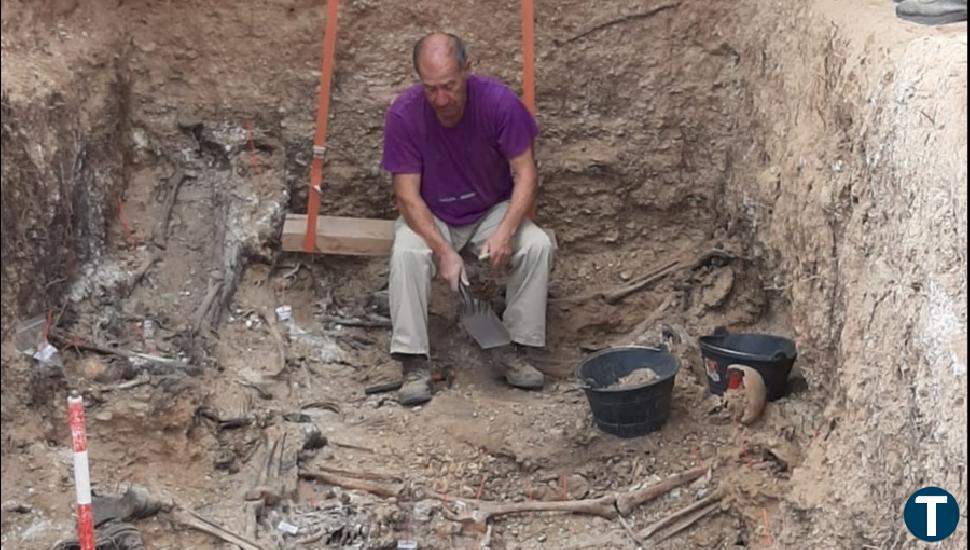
{"points": [[771, 356], [633, 410]]}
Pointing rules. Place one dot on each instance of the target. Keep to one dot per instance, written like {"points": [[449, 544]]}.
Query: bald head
{"points": [[439, 52], [442, 66]]}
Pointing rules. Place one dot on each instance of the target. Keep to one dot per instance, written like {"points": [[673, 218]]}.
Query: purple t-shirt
{"points": [[464, 169]]}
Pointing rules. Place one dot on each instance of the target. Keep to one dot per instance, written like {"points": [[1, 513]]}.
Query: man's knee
{"points": [[409, 249], [535, 242]]}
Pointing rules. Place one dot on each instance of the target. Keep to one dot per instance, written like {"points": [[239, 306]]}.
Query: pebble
{"points": [[13, 506], [424, 510], [577, 487], [91, 368]]}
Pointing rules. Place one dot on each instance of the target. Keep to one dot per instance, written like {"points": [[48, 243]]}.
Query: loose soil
{"points": [[639, 377]]}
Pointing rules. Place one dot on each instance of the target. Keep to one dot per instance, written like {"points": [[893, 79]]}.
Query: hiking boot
{"points": [[417, 381], [932, 12], [517, 371]]}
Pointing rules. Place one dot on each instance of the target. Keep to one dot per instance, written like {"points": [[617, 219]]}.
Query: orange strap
{"points": [[320, 137], [528, 56], [529, 67]]}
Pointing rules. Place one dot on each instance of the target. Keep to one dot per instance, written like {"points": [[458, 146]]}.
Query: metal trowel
{"points": [[480, 320]]}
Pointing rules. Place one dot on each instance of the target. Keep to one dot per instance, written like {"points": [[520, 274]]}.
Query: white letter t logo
{"points": [[931, 503]]}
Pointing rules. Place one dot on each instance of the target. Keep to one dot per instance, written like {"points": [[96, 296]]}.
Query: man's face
{"points": [[445, 88]]}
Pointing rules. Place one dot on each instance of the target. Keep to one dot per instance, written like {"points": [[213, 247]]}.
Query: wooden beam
{"points": [[340, 235], [344, 235]]}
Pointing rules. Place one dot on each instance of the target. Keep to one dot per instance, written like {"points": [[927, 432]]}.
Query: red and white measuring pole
{"points": [[82, 477]]}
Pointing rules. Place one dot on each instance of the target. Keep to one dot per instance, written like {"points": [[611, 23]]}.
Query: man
{"points": [[459, 148]]}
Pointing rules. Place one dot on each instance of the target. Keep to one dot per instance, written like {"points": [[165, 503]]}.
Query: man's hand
{"points": [[451, 268], [499, 244], [498, 248], [407, 192]]}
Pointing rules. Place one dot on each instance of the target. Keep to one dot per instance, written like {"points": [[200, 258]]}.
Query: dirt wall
{"points": [[854, 182], [64, 143], [636, 150]]}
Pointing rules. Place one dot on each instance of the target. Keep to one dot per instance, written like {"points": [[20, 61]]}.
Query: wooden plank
{"points": [[344, 235], [340, 235]]}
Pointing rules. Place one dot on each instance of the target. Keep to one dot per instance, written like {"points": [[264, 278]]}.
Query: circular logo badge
{"points": [[931, 514]]}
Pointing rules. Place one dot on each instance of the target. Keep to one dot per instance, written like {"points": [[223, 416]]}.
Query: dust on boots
{"points": [[416, 388], [510, 362], [518, 373]]}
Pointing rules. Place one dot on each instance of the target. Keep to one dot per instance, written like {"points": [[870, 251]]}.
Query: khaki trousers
{"points": [[413, 266]]}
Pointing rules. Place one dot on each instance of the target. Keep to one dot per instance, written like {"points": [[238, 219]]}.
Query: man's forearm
{"points": [[420, 219], [523, 196]]}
